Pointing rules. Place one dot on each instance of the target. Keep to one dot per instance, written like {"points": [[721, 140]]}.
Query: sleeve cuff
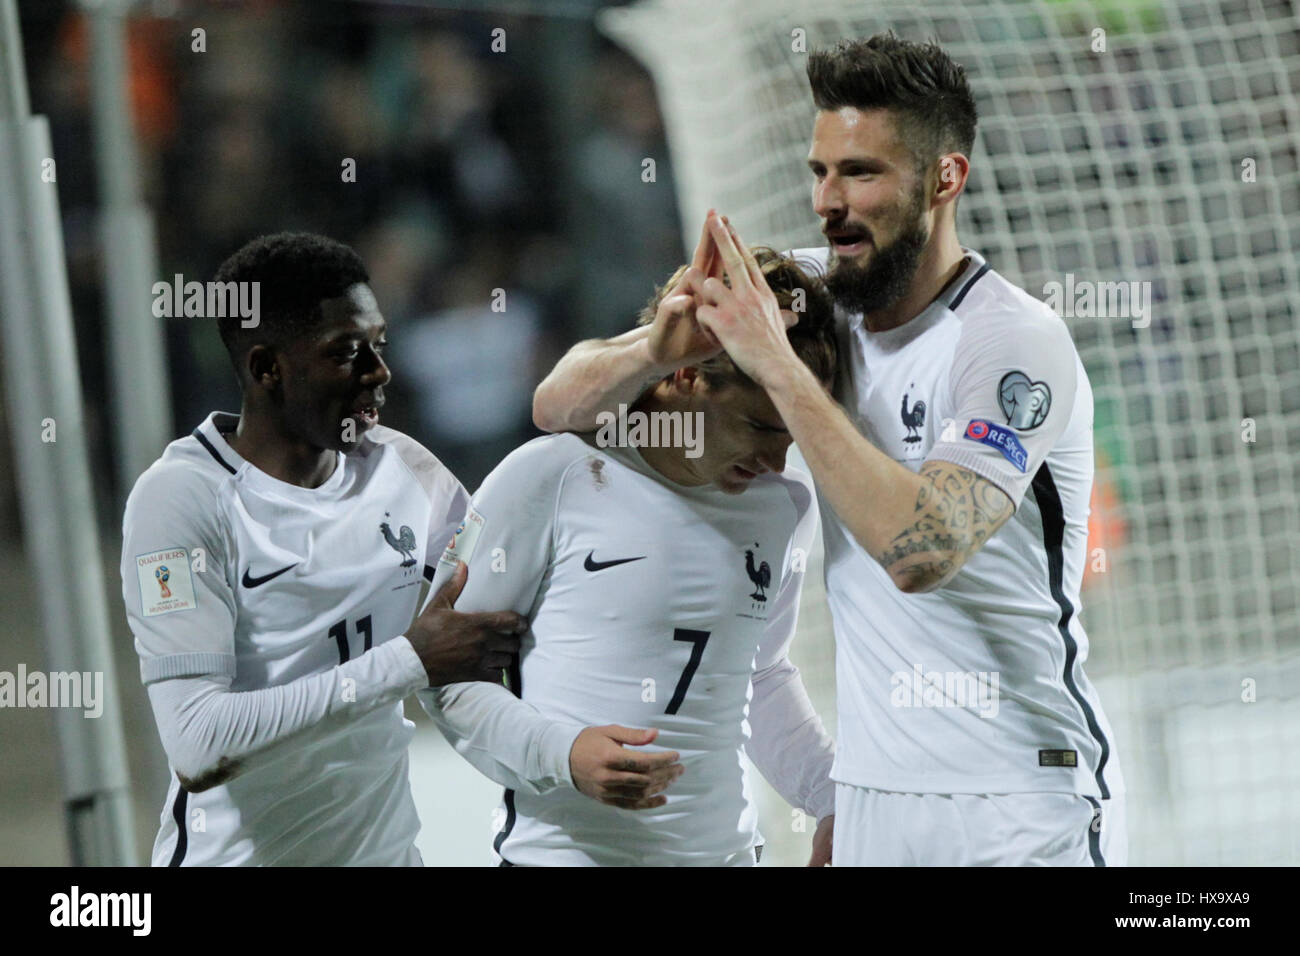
{"points": [[198, 664], [982, 465], [821, 803], [554, 747], [409, 669]]}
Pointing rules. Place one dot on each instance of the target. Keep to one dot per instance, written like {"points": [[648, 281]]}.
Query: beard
{"points": [[888, 275]]}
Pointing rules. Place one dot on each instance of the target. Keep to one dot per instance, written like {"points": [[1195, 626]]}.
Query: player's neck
{"points": [[669, 461], [262, 443], [939, 265]]}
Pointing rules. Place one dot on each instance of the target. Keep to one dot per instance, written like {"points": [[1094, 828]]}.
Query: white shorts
{"points": [[884, 828]]}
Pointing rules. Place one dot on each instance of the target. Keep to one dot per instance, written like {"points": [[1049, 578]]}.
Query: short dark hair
{"points": [[295, 272], [812, 337], [925, 90]]}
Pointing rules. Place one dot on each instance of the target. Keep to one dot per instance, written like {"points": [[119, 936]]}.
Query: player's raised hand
{"points": [[823, 841], [676, 339], [745, 316], [455, 646], [605, 771]]}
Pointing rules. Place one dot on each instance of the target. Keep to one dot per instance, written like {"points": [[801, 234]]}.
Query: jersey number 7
{"points": [[699, 639]]}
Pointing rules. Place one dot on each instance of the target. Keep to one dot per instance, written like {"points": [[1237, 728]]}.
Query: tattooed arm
{"points": [[956, 511], [921, 527], [1016, 365]]}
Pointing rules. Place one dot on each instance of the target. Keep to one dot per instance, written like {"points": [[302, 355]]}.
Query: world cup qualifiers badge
{"points": [[166, 581]]}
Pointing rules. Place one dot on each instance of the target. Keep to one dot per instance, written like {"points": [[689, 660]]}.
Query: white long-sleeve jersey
{"points": [[652, 605], [268, 619], [978, 686]]}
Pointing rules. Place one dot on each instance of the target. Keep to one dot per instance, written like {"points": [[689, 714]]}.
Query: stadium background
{"points": [[524, 170]]}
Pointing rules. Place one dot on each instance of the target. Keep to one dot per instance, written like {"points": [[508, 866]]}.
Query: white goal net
{"points": [[1143, 142]]}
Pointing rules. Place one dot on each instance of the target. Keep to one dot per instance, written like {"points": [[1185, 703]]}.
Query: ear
{"points": [[687, 380], [263, 366], [950, 179]]}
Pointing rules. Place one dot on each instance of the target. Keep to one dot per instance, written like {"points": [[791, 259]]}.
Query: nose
{"points": [[773, 458], [379, 374], [828, 202]]}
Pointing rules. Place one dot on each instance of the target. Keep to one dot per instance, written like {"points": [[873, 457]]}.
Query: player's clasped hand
{"points": [[676, 339], [743, 313], [605, 771], [455, 646]]}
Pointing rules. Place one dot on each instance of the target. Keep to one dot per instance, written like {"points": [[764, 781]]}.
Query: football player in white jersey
{"points": [[662, 586], [954, 479], [272, 565]]}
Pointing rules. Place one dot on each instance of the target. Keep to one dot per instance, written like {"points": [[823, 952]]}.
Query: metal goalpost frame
{"points": [[59, 526], [141, 393]]}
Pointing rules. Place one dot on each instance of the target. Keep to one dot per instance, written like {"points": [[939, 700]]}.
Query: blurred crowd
{"points": [[510, 178]]}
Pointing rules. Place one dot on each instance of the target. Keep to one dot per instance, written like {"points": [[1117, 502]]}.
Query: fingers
{"points": [[751, 264], [708, 316], [634, 762], [635, 736], [451, 588], [637, 792], [503, 643], [740, 265], [703, 257], [640, 784], [638, 788], [714, 291], [628, 804], [503, 622], [675, 305], [627, 779], [688, 285], [732, 261], [692, 279]]}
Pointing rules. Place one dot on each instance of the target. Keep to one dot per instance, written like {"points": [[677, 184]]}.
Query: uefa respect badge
{"points": [[1003, 439]]}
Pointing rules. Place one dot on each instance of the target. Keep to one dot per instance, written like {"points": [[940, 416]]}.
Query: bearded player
{"points": [[954, 477]]}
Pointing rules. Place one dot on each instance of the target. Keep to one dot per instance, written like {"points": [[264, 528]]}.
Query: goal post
{"points": [[45, 406], [1136, 166]]}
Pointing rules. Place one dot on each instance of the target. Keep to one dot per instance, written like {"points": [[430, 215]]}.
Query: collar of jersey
{"points": [[923, 319], [215, 428], [630, 456]]}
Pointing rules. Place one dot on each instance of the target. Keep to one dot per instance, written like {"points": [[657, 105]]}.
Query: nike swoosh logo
{"points": [[591, 565], [251, 582]]}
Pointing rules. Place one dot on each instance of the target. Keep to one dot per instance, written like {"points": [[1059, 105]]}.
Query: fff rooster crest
{"points": [[403, 542]]}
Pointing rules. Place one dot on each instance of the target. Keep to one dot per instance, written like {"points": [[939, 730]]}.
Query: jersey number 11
{"points": [[339, 632]]}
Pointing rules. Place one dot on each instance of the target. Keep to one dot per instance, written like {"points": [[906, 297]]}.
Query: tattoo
{"points": [[956, 511]]}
